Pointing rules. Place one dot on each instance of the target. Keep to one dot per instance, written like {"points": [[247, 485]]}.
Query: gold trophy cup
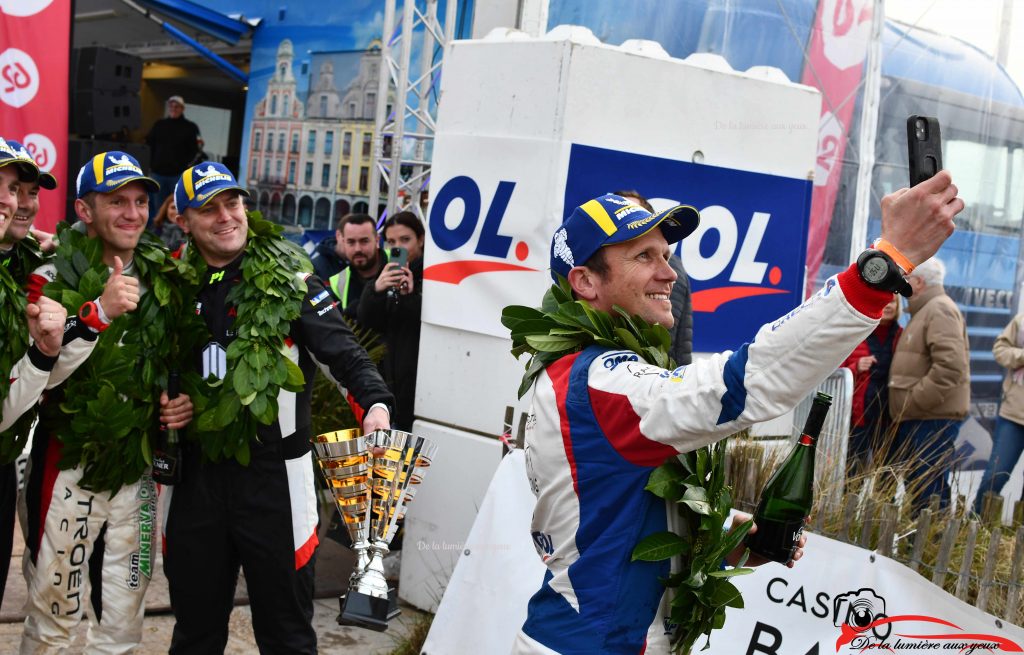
{"points": [[372, 494]]}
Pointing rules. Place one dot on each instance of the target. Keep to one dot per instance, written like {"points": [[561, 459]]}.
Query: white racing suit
{"points": [[30, 377], [604, 419], [86, 552]]}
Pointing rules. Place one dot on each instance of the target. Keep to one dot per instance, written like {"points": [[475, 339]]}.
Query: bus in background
{"points": [[980, 109]]}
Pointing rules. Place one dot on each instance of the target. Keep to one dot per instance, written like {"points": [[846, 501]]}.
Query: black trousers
{"points": [[8, 510], [223, 516]]}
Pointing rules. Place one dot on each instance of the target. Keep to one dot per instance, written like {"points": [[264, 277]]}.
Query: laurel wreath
{"points": [[108, 410], [13, 347], [229, 411], [26, 256], [693, 482]]}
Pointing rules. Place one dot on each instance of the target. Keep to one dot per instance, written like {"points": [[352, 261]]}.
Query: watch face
{"points": [[875, 269]]}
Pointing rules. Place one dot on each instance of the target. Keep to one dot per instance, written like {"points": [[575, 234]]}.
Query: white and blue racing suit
{"points": [[604, 419]]}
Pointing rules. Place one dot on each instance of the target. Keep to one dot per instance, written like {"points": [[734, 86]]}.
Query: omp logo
{"points": [[491, 243]]}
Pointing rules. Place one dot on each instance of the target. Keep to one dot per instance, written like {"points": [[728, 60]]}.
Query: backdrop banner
{"points": [[35, 37]]}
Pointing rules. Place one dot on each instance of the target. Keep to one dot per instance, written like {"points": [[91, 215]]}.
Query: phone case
{"points": [[924, 147]]}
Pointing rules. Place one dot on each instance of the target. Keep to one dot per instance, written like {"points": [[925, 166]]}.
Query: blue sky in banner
{"points": [[315, 26]]}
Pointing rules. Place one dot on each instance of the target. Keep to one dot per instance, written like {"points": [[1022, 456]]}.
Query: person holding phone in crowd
{"points": [[869, 362], [392, 308]]}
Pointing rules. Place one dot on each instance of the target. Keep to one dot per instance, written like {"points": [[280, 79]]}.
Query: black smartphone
{"points": [[398, 255], [924, 148]]}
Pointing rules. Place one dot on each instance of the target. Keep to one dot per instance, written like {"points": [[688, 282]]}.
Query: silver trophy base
{"points": [[366, 611]]}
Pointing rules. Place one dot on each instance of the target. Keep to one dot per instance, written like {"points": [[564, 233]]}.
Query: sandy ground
{"points": [[333, 564]]}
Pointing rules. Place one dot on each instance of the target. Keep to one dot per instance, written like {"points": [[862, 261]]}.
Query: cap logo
{"points": [[120, 165], [7, 149], [616, 201], [622, 212], [638, 224], [211, 174], [562, 250]]}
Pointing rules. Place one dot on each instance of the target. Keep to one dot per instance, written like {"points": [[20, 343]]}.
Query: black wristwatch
{"points": [[879, 271]]}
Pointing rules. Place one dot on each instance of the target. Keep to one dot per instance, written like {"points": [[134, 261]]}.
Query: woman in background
{"points": [[869, 362], [165, 225], [392, 308]]}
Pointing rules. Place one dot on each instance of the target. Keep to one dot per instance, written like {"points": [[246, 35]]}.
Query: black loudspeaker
{"points": [[106, 70], [82, 150], [104, 112]]}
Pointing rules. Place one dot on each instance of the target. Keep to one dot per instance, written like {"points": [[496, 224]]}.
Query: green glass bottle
{"points": [[167, 454], [787, 498]]}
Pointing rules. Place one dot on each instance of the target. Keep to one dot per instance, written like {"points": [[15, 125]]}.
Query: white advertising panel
{"points": [[798, 611]]}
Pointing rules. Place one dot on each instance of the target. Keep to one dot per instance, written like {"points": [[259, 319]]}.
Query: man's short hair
{"points": [[598, 263], [635, 195], [355, 219], [931, 271]]}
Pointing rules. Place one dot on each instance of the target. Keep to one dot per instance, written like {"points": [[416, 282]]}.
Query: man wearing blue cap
{"points": [[42, 322], [258, 514], [603, 419], [90, 546]]}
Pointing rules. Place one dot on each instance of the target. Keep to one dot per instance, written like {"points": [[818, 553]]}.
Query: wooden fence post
{"points": [[867, 522], [1013, 584], [924, 526], [824, 509], [985, 588], [992, 509], [849, 512], [945, 550], [887, 530], [963, 580]]}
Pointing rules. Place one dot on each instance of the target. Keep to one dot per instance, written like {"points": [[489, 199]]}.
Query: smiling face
{"points": [[117, 218], [400, 235], [28, 207], [9, 187], [639, 279], [175, 109], [219, 227]]}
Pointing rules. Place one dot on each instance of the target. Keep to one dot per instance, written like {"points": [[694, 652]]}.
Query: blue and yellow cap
{"points": [[109, 171], [613, 219], [197, 185], [12, 153], [46, 180]]}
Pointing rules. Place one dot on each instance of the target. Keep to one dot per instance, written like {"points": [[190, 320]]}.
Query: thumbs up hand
{"points": [[121, 293]]}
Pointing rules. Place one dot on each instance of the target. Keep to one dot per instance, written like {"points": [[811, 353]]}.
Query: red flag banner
{"points": [[835, 65], [34, 62]]}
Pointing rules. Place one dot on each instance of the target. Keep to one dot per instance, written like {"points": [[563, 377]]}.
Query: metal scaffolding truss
{"points": [[404, 122]]}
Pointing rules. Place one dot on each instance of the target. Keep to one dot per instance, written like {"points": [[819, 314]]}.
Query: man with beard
{"points": [[361, 247]]}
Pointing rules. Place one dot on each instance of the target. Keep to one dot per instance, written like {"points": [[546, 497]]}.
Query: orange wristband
{"points": [[898, 257]]}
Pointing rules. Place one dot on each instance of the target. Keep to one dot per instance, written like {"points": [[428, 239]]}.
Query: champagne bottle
{"points": [[167, 455], [787, 498]]}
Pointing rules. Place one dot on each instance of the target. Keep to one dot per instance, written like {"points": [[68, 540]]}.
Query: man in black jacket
{"points": [[174, 142], [263, 516]]}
